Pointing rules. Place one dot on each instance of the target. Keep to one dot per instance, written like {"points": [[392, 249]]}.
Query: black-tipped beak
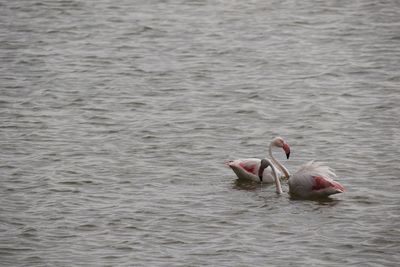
{"points": [[286, 148], [264, 164]]}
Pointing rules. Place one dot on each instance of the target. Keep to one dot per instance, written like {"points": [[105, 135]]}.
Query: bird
{"points": [[314, 179], [248, 169], [265, 163]]}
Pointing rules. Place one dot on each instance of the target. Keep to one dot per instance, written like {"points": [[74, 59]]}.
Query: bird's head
{"points": [[280, 142], [265, 163]]}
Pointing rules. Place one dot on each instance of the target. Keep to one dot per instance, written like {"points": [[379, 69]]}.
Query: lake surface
{"points": [[117, 118]]}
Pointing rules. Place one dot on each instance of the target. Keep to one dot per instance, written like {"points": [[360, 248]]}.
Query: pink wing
{"points": [[246, 168], [249, 165], [321, 183], [251, 168], [314, 179]]}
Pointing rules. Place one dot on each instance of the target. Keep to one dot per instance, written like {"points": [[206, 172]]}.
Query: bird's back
{"points": [[303, 182]]}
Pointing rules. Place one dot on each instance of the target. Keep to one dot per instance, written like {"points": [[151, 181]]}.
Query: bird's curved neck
{"points": [[277, 181], [278, 164]]}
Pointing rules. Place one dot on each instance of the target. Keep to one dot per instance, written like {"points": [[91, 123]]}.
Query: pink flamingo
{"points": [[265, 163], [249, 169], [314, 180]]}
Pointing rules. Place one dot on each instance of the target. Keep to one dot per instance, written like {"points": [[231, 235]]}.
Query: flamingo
{"points": [[314, 179], [249, 169], [265, 163]]}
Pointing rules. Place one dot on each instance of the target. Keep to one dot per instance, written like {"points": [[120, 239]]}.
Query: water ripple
{"points": [[116, 121]]}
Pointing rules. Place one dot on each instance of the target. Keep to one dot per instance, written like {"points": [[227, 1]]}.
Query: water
{"points": [[117, 117]]}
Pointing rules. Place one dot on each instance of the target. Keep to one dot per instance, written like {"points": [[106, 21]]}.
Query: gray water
{"points": [[117, 118]]}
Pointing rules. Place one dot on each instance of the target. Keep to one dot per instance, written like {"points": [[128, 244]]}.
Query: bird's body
{"points": [[311, 180], [314, 180], [248, 169]]}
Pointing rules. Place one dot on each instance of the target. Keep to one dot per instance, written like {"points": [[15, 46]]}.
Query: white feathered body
{"points": [[247, 169], [314, 180]]}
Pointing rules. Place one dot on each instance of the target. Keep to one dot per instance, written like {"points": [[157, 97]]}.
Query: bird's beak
{"points": [[286, 148], [260, 173]]}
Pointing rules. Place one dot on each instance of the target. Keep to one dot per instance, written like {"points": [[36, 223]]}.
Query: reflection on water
{"points": [[269, 189], [241, 184], [322, 201]]}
